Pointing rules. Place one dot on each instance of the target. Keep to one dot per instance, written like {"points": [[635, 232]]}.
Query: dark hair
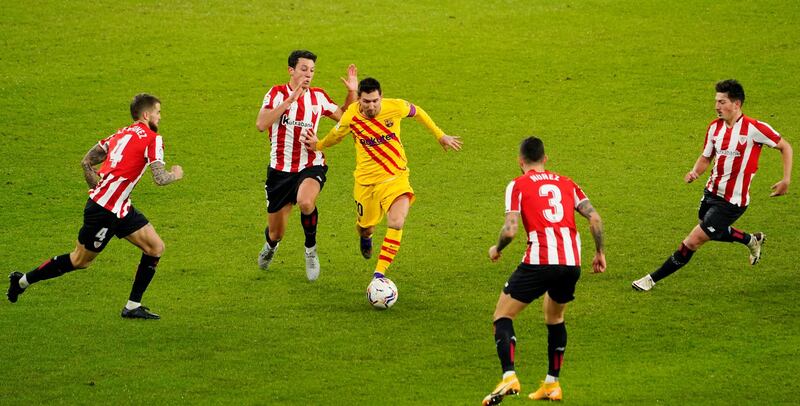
{"points": [[300, 53], [369, 85], [733, 88], [142, 102], [531, 149]]}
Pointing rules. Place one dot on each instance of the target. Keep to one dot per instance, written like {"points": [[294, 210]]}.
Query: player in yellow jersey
{"points": [[381, 175]]}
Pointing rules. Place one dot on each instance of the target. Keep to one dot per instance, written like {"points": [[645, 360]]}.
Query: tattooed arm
{"points": [[162, 177], [93, 157], [507, 234], [586, 209]]}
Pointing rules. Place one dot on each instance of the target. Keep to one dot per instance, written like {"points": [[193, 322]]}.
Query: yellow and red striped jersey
{"points": [[380, 155]]}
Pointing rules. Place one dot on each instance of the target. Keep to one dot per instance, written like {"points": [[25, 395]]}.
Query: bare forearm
{"points": [[504, 239], [93, 157], [161, 176], [508, 231], [786, 154], [351, 97], [596, 228], [586, 209], [701, 165], [268, 117]]}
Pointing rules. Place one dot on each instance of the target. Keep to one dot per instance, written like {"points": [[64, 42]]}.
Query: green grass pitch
{"points": [[621, 92]]}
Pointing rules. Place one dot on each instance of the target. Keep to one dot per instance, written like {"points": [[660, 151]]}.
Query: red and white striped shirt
{"points": [[736, 150], [130, 150], [287, 154], [547, 202]]}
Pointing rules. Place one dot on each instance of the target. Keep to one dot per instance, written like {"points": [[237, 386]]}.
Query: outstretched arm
{"points": [[446, 141], [698, 169], [93, 157], [162, 177], [507, 234], [782, 187], [586, 209]]}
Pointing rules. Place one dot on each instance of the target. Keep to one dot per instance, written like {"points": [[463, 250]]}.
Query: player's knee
{"points": [[156, 249], [306, 204], [81, 263], [397, 222]]}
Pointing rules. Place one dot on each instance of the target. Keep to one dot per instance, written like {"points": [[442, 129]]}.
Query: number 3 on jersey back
{"points": [[556, 213]]}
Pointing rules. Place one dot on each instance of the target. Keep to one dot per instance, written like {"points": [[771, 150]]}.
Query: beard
{"points": [[153, 126]]}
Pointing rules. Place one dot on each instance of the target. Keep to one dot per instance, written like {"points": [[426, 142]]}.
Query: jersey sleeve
{"points": [[105, 142], [708, 144], [513, 198], [410, 110], [577, 194], [269, 98], [155, 150], [328, 106], [337, 133], [406, 109], [766, 135]]}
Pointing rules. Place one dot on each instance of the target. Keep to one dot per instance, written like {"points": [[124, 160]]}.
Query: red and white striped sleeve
{"points": [[269, 98], [104, 143], [513, 198], [765, 135], [155, 150], [328, 106], [708, 144], [577, 194]]}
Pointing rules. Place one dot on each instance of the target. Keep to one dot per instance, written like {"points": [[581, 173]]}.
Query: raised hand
{"points": [[352, 78], [296, 93]]}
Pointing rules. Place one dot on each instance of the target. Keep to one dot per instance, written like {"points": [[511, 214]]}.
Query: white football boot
{"points": [[756, 242], [266, 255], [644, 284], [312, 263]]}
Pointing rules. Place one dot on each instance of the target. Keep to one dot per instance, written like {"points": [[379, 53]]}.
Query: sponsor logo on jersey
{"points": [[733, 153], [383, 139], [303, 124]]}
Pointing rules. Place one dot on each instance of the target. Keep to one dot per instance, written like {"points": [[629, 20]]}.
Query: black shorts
{"points": [[281, 187], [716, 214], [529, 282], [99, 225]]}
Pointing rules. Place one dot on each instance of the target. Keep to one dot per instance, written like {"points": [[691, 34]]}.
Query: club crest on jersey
{"points": [[285, 121], [742, 139], [389, 122]]}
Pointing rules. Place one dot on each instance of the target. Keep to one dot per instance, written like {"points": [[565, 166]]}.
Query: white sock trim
{"points": [[132, 305], [550, 379]]}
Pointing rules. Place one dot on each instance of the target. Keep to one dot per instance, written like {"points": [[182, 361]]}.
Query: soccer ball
{"points": [[382, 293]]}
